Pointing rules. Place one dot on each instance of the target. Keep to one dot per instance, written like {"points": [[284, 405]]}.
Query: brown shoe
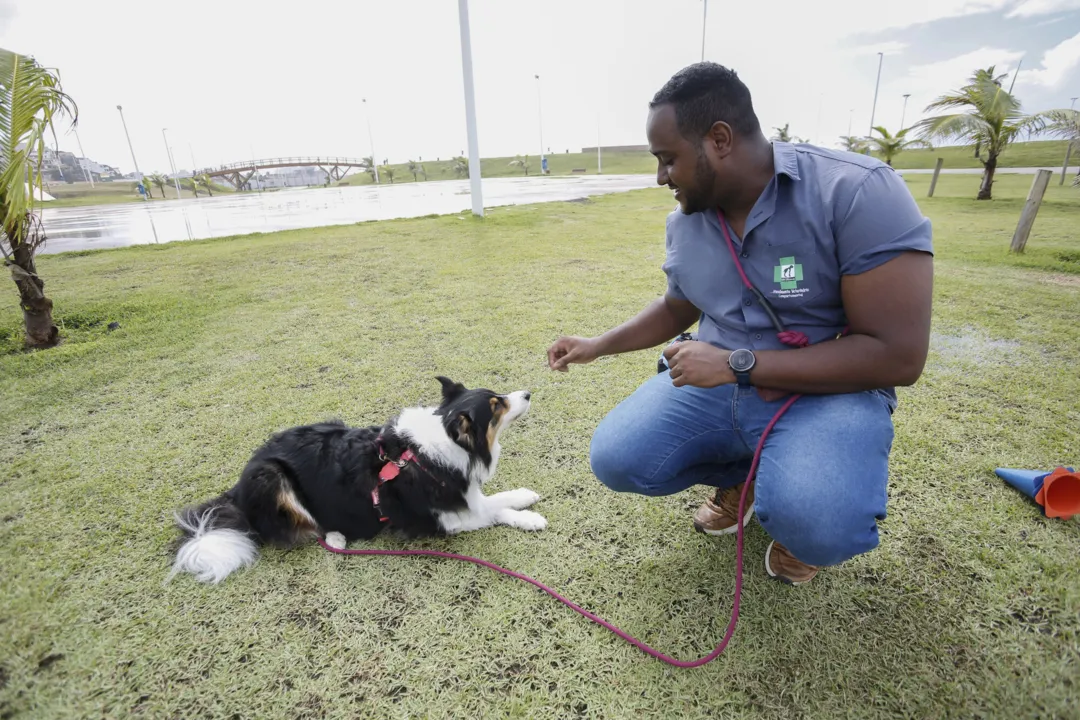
{"points": [[719, 515], [785, 567]]}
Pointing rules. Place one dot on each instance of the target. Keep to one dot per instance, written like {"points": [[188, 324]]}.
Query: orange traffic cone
{"points": [[1056, 492]]}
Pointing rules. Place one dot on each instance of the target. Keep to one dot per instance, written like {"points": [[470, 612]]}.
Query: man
{"points": [[834, 242]]}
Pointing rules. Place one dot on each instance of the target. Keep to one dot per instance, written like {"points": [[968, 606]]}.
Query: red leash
{"points": [[794, 338]]}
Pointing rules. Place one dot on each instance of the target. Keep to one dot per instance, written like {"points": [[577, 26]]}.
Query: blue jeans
{"points": [[821, 484]]}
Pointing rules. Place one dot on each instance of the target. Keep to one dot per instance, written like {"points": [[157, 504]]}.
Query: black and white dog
{"points": [[421, 473]]}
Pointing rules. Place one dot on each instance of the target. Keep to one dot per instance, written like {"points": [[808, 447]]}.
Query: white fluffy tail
{"points": [[211, 553]]}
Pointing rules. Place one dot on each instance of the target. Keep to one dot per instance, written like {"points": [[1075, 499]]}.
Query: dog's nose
{"points": [[527, 395]]}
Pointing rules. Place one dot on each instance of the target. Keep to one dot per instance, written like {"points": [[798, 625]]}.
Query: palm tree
{"points": [[417, 169], [889, 146], [784, 135], [460, 166], [203, 181], [520, 162], [387, 172], [851, 143], [31, 100], [161, 181], [992, 120], [1065, 124], [367, 164]]}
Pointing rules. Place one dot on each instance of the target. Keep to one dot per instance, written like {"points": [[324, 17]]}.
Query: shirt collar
{"points": [[785, 160]]}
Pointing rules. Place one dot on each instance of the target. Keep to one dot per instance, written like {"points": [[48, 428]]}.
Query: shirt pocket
{"points": [[795, 273]]}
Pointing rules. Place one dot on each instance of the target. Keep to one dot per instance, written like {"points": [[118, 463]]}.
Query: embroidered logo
{"points": [[788, 274]]}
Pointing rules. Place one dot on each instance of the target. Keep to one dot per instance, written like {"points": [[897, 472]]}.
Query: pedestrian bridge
{"points": [[239, 174]]}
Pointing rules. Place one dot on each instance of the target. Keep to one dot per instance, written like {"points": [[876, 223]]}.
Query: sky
{"points": [[233, 79]]}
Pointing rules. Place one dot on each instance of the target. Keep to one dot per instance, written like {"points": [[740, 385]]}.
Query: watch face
{"points": [[741, 360]]}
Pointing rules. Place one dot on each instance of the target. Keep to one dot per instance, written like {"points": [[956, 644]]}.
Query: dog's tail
{"points": [[217, 541]]}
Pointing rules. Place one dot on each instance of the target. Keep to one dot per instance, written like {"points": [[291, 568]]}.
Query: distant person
{"points": [[834, 242]]}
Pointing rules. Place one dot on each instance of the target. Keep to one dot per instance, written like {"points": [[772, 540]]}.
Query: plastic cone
{"points": [[1056, 492]]}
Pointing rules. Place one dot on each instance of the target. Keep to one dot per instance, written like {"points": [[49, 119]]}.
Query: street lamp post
{"points": [[172, 165], [138, 175], [476, 191], [904, 113], [704, 14], [86, 172], [540, 115], [374, 164], [873, 110]]}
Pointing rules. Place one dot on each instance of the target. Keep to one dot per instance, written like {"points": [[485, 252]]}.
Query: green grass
{"points": [[1030, 154], [969, 608], [111, 193]]}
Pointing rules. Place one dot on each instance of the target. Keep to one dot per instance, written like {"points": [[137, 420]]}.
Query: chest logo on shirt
{"points": [[788, 274]]}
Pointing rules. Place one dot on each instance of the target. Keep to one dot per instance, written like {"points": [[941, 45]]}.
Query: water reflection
{"points": [[104, 226]]}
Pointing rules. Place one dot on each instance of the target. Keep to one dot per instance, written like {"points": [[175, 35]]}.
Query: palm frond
{"points": [[31, 101], [1064, 124]]}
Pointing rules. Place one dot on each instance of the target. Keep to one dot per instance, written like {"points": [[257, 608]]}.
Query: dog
{"points": [[421, 474]]}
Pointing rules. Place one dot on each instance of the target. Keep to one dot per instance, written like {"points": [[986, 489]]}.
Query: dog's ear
{"points": [[450, 389], [460, 429]]}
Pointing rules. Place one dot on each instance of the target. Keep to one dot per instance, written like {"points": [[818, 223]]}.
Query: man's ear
{"points": [[460, 429], [450, 389]]}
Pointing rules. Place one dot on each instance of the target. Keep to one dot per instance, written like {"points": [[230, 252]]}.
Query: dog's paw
{"points": [[335, 540], [527, 520], [519, 499]]}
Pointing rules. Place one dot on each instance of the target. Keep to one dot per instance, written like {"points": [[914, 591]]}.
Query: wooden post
{"points": [[1031, 209], [1065, 165], [937, 171]]}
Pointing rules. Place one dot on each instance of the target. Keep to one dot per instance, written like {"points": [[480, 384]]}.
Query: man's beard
{"points": [[705, 181]]}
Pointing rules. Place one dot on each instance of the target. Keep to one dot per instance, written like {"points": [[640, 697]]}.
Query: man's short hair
{"points": [[706, 93]]}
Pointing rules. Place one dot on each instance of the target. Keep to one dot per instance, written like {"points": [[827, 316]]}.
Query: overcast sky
{"points": [[232, 78]]}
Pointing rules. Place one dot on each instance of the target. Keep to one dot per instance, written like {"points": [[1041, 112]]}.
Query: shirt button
{"points": [[757, 336], [746, 302], [746, 254]]}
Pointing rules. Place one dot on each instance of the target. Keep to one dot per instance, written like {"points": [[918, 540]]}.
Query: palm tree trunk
{"points": [[988, 178], [37, 309]]}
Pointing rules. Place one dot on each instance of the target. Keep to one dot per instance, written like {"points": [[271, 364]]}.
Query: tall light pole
{"points": [[540, 115], [704, 14], [1072, 105], [904, 113], [172, 165], [374, 163], [873, 110], [599, 160], [850, 117], [86, 172], [138, 175], [476, 191]]}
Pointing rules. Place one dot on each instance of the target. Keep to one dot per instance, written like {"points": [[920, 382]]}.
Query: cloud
{"points": [[1056, 64], [1033, 8]]}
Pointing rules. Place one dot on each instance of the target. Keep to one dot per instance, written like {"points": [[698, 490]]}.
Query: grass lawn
{"points": [[969, 608], [110, 193]]}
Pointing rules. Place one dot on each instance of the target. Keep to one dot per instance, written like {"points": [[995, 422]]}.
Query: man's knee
{"points": [[612, 462]]}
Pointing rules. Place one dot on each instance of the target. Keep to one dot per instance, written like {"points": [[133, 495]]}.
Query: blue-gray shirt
{"points": [[824, 214]]}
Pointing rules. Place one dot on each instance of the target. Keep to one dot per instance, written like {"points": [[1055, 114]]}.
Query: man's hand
{"points": [[572, 349], [699, 364]]}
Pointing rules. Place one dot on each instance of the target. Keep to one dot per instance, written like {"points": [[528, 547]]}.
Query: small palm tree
{"points": [[367, 164], [1065, 124], [851, 143], [521, 162], [203, 181], [992, 119], [31, 100], [161, 181], [460, 166], [784, 135], [387, 172], [417, 169], [889, 146]]}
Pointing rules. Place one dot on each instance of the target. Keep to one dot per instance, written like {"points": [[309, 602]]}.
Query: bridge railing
{"points": [[296, 161]]}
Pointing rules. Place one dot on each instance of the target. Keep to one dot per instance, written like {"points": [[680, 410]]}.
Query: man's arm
{"points": [[663, 319], [888, 310]]}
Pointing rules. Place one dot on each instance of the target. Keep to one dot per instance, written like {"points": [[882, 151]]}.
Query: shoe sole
{"points": [[727, 531], [774, 576]]}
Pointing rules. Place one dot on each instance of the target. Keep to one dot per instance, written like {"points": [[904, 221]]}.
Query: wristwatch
{"points": [[741, 361]]}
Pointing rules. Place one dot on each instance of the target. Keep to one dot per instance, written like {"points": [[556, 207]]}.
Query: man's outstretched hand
{"points": [[571, 349]]}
